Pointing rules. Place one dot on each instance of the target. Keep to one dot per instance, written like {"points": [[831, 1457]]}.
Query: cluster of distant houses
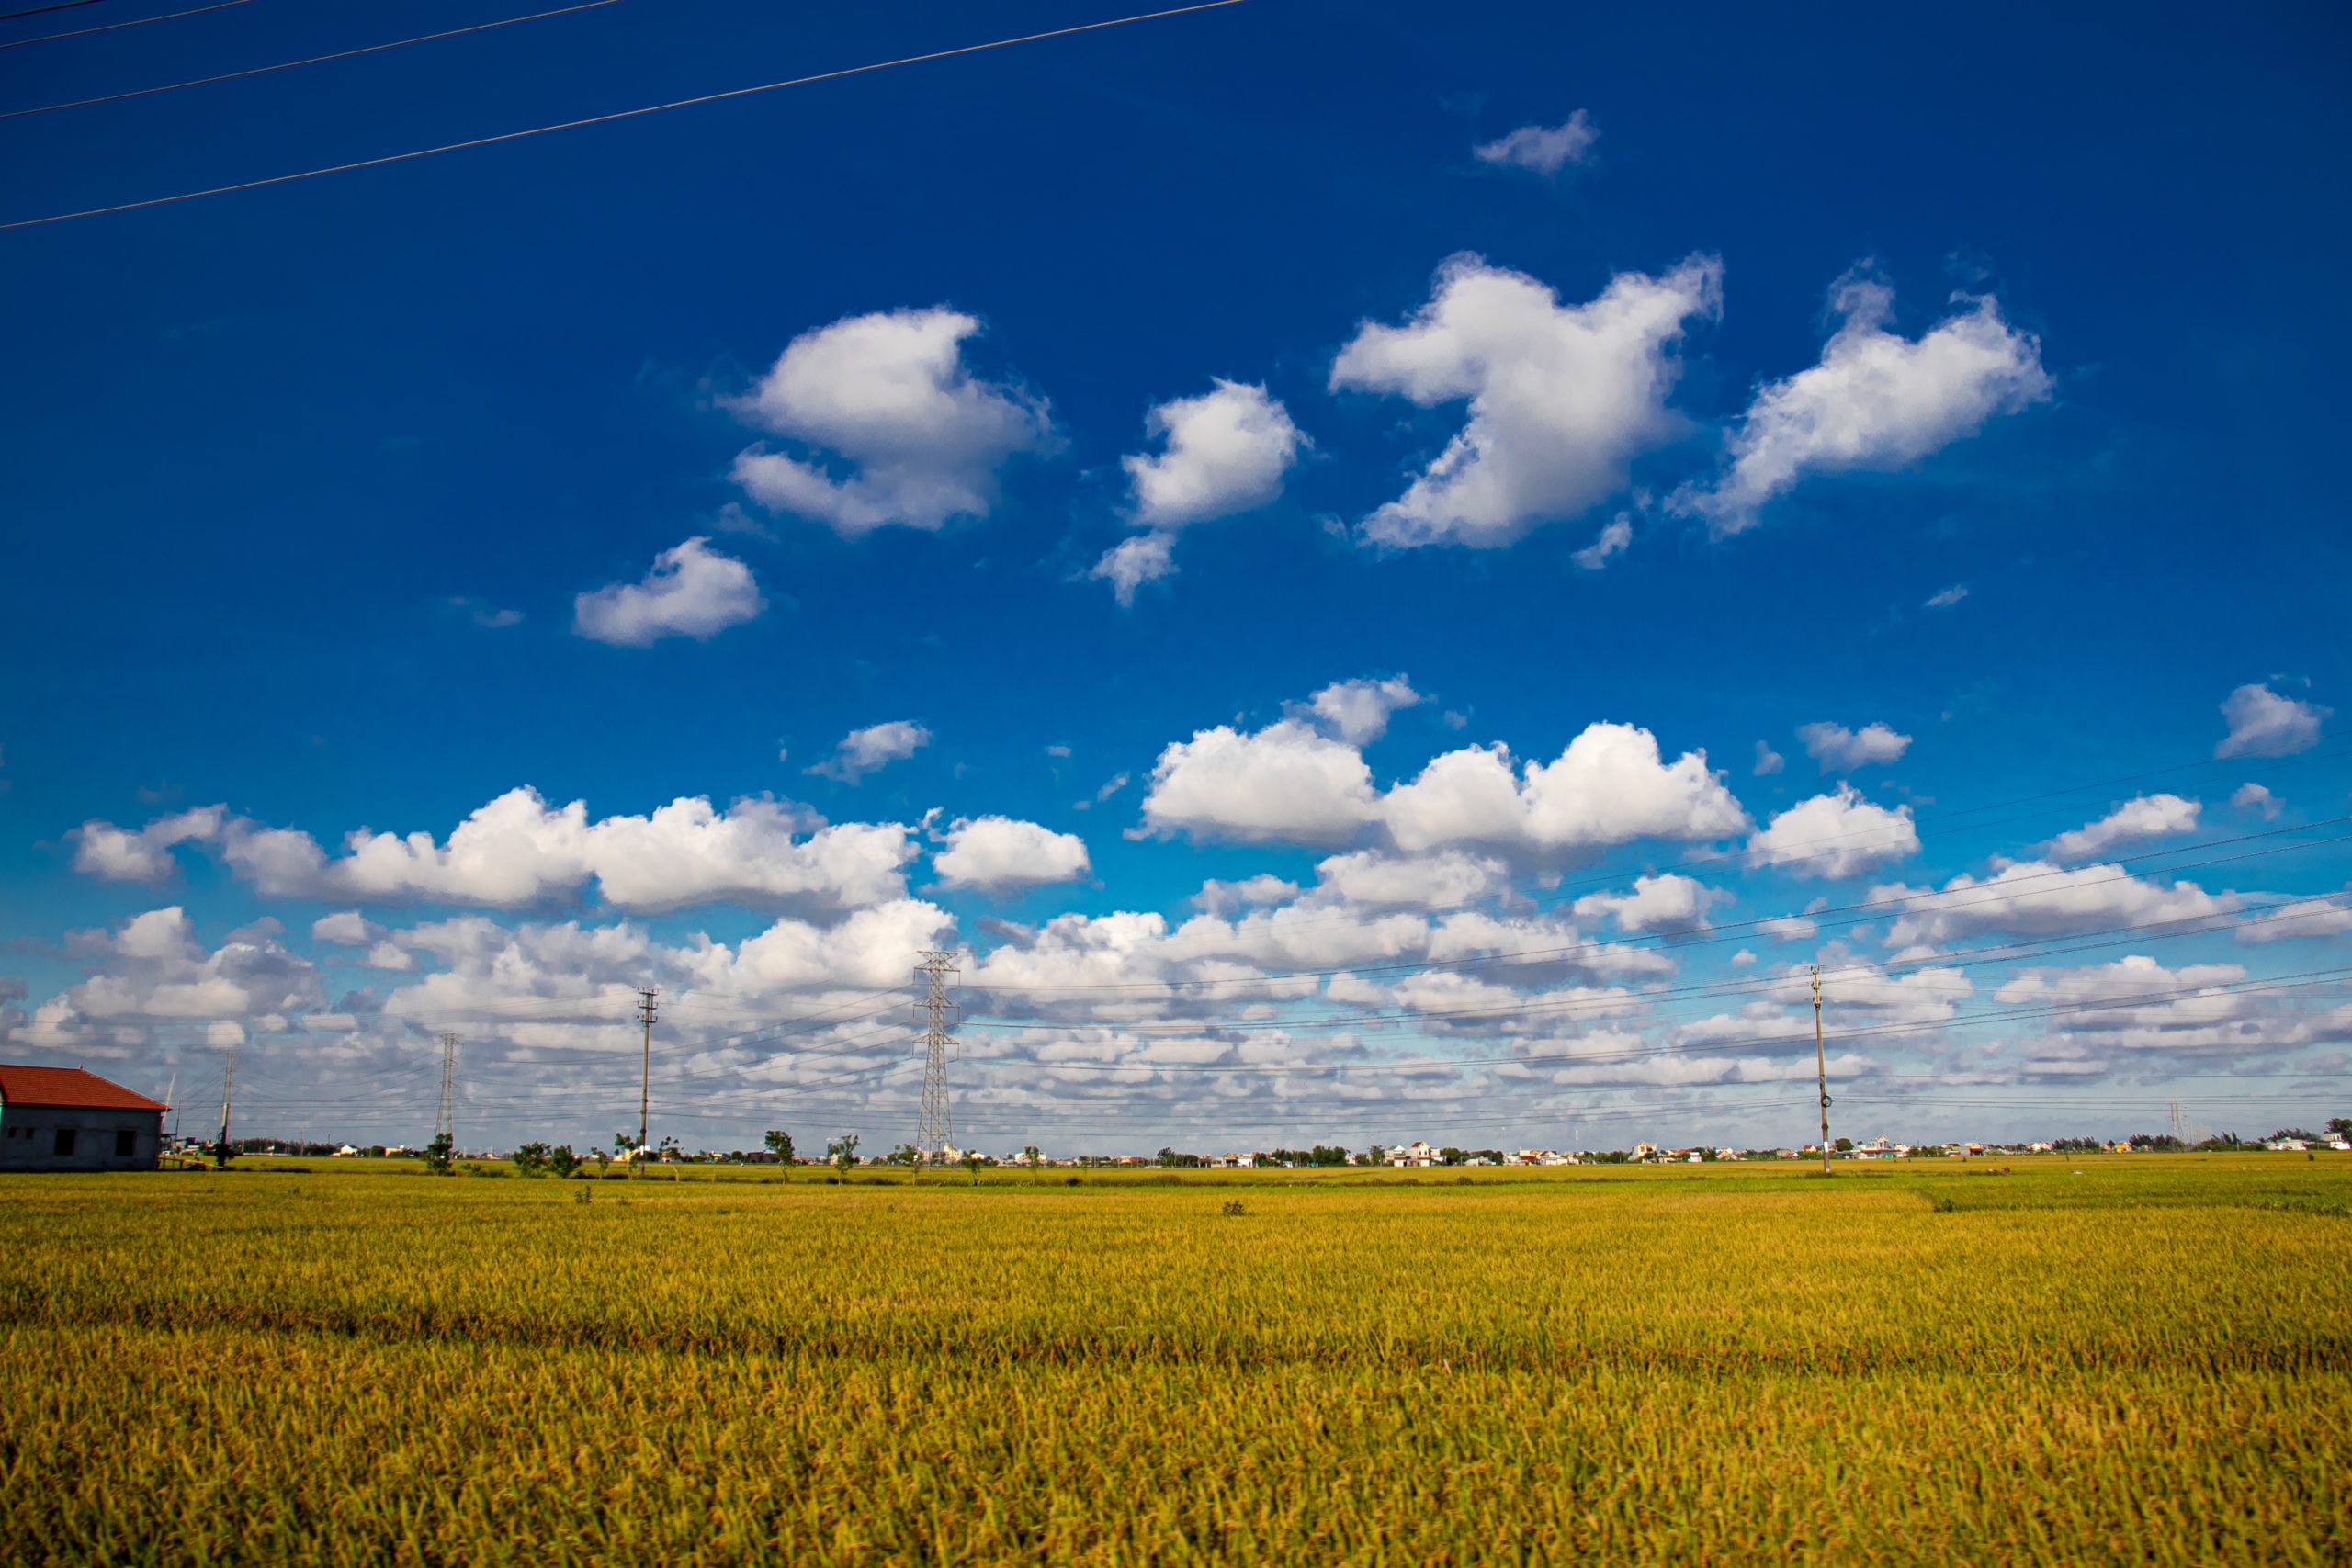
{"points": [[68, 1119], [1418, 1154]]}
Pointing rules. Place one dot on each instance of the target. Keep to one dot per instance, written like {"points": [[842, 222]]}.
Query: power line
{"points": [[113, 27], [2289, 913], [313, 60], [1997, 953], [1834, 844], [45, 10], [1432, 1106], [616, 114], [2293, 981], [1693, 935], [1094, 1108]]}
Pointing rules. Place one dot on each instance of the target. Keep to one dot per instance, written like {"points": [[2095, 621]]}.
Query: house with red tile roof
{"points": [[68, 1119]]}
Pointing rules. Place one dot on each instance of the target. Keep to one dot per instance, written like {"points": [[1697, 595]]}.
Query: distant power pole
{"points": [[2180, 1123], [645, 1078], [936, 1130], [228, 1083], [442, 1126], [1821, 1069]]}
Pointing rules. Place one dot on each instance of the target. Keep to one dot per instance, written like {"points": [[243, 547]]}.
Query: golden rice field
{"points": [[2136, 1359]]}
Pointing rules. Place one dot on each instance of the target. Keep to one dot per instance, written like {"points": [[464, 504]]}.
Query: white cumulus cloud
{"points": [[518, 851], [1356, 711], [1129, 564], [122, 854], [1004, 854], [1835, 836], [1561, 397], [1611, 540], [862, 751], [1840, 750], [345, 928], [2331, 916], [890, 393], [152, 972], [2257, 799], [2036, 898], [1427, 882], [1543, 149], [1668, 902], [1287, 782], [1222, 452], [1609, 786], [2136, 822], [2265, 724], [693, 591], [1876, 401]]}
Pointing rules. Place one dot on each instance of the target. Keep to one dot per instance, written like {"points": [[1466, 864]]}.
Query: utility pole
{"points": [[442, 1126], [935, 1130], [228, 1083], [1821, 1069], [645, 1078]]}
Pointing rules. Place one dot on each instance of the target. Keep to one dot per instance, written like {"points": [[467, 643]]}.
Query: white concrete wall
{"points": [[29, 1138]]}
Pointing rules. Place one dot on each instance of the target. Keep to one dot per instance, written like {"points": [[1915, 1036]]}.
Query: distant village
{"points": [[537, 1159]]}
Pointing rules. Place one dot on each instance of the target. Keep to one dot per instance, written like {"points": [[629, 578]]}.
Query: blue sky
{"points": [[1968, 381]]}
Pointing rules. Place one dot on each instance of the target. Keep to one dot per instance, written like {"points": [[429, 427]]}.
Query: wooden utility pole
{"points": [[1821, 1069]]}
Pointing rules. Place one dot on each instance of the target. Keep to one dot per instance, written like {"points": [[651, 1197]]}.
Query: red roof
{"points": [[69, 1086]]}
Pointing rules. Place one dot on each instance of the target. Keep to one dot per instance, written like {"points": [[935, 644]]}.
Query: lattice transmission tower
{"points": [[936, 1130], [443, 1124]]}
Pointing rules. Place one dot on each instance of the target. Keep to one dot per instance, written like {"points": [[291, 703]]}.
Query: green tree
{"points": [[1845, 1146], [1030, 1155], [438, 1152], [906, 1155], [562, 1162], [530, 1159], [842, 1151], [779, 1144]]}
